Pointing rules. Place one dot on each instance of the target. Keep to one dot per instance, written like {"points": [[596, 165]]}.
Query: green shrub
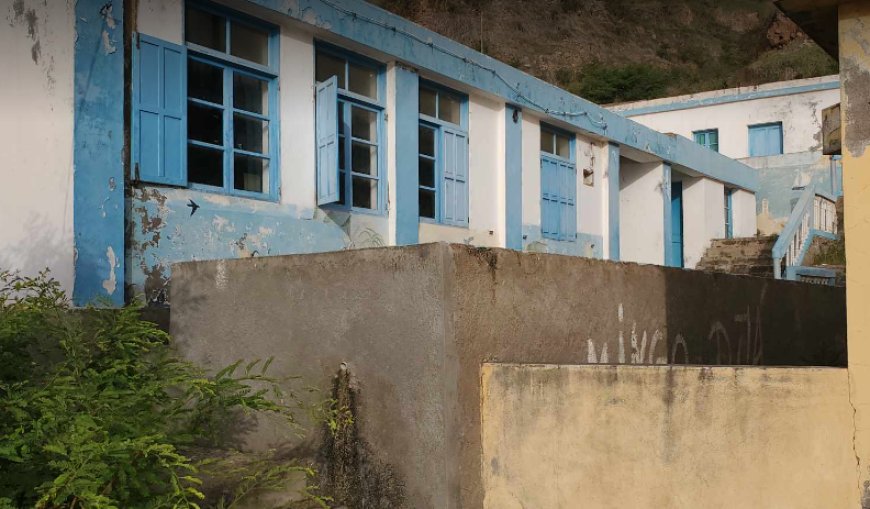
{"points": [[607, 84], [96, 412]]}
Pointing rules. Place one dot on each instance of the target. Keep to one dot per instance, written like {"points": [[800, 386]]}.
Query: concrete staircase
{"points": [[748, 256]]}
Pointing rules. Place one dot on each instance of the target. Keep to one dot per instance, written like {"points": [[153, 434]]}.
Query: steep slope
{"points": [[615, 50]]}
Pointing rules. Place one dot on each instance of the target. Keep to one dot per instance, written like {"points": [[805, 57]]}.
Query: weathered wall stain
{"points": [[354, 476], [31, 21], [856, 79]]}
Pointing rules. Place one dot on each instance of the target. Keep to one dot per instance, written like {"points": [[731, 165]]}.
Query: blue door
{"points": [[676, 225]]}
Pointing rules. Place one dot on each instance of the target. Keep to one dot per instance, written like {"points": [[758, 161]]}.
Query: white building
{"points": [[775, 128], [137, 138]]}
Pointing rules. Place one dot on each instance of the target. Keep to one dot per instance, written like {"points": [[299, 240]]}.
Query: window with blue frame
{"points": [[350, 169], [231, 91], [443, 155], [765, 139], [708, 137], [205, 114], [558, 185]]}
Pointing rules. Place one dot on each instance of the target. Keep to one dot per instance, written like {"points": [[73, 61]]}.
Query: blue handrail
{"points": [[797, 236]]}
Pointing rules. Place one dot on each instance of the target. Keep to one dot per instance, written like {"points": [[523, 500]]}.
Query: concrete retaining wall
{"points": [[414, 325], [666, 437]]}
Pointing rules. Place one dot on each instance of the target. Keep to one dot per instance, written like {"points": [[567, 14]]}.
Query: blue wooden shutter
{"points": [[454, 200], [756, 140], [159, 112], [326, 125], [774, 139]]}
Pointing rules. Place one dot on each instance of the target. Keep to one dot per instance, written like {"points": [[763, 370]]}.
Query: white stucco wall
{"points": [[800, 114], [641, 212], [591, 215], [743, 211], [36, 97], [703, 217]]}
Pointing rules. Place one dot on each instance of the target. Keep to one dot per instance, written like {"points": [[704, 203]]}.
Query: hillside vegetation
{"points": [[622, 50]]}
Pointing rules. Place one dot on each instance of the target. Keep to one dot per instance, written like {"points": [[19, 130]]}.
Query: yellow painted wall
{"points": [[666, 437], [854, 34]]}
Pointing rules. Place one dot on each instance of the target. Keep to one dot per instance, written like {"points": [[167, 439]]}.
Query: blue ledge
{"points": [[725, 99], [380, 30]]}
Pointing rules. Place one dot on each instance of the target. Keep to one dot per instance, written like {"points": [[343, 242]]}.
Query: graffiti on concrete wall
{"points": [[745, 347]]}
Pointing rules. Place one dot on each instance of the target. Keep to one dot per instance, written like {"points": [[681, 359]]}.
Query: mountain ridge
{"points": [[622, 50]]}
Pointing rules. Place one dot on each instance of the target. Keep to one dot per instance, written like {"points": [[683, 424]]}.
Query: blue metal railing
{"points": [[814, 215]]}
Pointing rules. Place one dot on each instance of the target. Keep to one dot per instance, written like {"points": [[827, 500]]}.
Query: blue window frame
{"points": [[558, 185], [359, 129], [443, 155], [729, 213], [708, 137], [232, 102], [765, 139]]}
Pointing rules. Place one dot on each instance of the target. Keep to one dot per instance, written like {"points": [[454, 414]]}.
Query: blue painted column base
{"points": [[98, 152], [613, 201], [407, 208], [513, 178]]}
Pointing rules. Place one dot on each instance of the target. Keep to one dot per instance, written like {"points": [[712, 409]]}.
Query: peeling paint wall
{"points": [[780, 182], [36, 98], [854, 38]]}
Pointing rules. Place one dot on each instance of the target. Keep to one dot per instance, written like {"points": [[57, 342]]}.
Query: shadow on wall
{"points": [[43, 247], [743, 320]]}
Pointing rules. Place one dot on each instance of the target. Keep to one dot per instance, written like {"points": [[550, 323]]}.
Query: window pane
{"points": [[448, 109], [547, 142], [427, 203], [251, 174], [427, 141], [563, 146], [364, 158], [427, 102], [363, 81], [205, 29], [205, 82], [249, 43], [205, 124], [327, 66], [250, 134], [342, 188], [427, 172], [341, 152], [365, 193], [364, 124], [250, 94], [205, 166]]}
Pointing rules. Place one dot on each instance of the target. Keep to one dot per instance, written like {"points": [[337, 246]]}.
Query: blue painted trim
{"points": [[513, 130], [794, 273], [407, 119], [368, 25], [667, 216], [613, 200], [98, 153], [243, 19], [460, 97], [726, 99]]}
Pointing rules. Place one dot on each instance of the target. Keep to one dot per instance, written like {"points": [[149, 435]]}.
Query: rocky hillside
{"points": [[618, 50]]}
